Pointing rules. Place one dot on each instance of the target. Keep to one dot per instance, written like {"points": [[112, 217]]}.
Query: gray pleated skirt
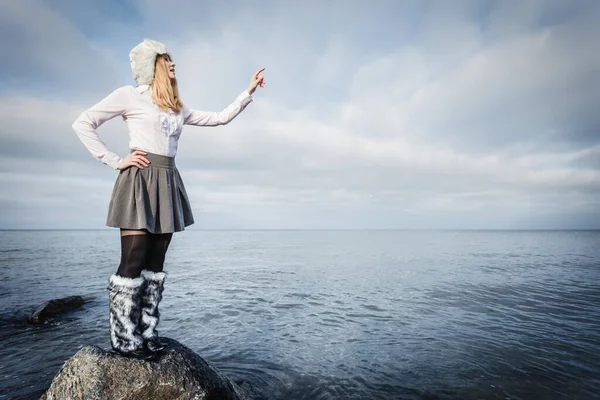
{"points": [[152, 198]]}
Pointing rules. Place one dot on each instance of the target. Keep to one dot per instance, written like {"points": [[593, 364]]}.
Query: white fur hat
{"points": [[142, 58]]}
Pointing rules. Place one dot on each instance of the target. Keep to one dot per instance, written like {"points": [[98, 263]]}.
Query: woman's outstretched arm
{"points": [[85, 125], [207, 118]]}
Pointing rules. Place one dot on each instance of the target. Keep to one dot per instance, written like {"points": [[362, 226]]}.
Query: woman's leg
{"points": [[126, 287], [135, 246], [159, 244], [154, 281]]}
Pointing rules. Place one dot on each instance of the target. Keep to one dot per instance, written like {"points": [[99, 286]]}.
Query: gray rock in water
{"points": [[55, 307], [179, 374]]}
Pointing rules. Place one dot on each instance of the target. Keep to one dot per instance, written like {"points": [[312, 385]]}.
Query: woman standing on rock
{"points": [[149, 202]]}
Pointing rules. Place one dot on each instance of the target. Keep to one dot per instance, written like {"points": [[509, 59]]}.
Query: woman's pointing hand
{"points": [[257, 80]]}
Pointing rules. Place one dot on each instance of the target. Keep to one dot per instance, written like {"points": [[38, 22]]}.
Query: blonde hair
{"points": [[165, 93]]}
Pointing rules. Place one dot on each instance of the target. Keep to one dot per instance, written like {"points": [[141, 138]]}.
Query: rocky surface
{"points": [[55, 307], [178, 373]]}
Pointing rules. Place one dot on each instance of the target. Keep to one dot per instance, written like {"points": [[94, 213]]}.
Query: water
{"points": [[332, 314]]}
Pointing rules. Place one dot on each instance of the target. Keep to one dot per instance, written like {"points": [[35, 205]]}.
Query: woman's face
{"points": [[170, 66]]}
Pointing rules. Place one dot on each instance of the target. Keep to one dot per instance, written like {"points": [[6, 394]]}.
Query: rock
{"points": [[55, 307], [178, 374]]}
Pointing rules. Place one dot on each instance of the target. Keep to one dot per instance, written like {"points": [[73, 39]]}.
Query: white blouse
{"points": [[150, 129]]}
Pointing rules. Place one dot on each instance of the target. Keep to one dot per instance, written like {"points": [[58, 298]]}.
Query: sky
{"points": [[375, 115]]}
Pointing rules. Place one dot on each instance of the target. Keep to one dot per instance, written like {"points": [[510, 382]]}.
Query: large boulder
{"points": [[55, 307], [179, 374]]}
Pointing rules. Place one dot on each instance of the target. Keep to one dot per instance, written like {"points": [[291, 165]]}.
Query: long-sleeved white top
{"points": [[150, 129]]}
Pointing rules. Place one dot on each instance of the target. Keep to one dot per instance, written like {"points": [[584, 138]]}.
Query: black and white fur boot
{"points": [[152, 290], [125, 311]]}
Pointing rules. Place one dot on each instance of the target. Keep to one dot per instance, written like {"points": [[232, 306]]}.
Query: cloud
{"points": [[529, 87], [47, 53], [41, 129]]}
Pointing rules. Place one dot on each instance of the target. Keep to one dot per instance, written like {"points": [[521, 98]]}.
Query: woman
{"points": [[149, 201]]}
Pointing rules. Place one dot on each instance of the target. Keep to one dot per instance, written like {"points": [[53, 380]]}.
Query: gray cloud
{"points": [[45, 52], [41, 129]]}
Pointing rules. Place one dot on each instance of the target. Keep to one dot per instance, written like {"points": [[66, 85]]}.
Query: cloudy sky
{"points": [[376, 114]]}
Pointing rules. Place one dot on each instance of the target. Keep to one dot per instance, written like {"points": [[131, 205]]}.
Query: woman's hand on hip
{"points": [[257, 80], [135, 159]]}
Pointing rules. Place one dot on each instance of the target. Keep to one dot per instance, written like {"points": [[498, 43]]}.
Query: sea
{"points": [[330, 314]]}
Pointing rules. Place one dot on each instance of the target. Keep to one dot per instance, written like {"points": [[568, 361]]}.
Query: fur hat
{"points": [[142, 58]]}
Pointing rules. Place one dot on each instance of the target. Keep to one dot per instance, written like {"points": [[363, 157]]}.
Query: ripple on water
{"points": [[207, 317], [288, 306], [369, 316], [372, 307], [330, 322]]}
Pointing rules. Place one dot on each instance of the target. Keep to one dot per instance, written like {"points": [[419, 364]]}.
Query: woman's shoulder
{"points": [[122, 94], [125, 89], [121, 91]]}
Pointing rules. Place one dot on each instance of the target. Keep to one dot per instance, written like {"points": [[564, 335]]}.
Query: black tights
{"points": [[146, 251]]}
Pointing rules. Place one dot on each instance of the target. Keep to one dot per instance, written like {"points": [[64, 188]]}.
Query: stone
{"points": [[178, 374], [55, 307]]}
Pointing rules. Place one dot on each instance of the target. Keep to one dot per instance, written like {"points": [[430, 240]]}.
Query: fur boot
{"points": [[152, 290], [125, 311]]}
